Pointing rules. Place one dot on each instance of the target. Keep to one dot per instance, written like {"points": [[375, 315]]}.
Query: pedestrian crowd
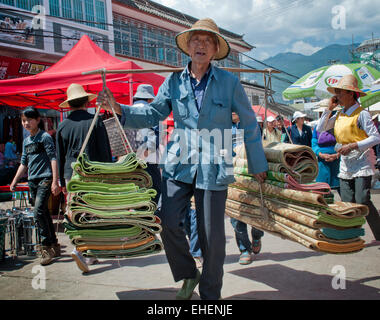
{"points": [[202, 97]]}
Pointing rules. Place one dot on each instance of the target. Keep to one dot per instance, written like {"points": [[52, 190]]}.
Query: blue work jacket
{"points": [[190, 150], [304, 139]]}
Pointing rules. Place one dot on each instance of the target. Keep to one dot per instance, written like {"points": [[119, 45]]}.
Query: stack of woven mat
{"points": [[110, 212], [295, 211]]}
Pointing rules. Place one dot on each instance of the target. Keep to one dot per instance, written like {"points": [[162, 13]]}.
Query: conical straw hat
{"points": [[76, 91], [207, 25], [347, 82]]}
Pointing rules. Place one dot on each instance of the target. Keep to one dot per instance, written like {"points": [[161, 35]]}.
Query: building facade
{"points": [[42, 31], [35, 34]]}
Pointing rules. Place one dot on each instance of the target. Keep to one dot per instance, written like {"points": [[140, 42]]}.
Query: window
{"points": [[150, 44], [8, 2], [66, 9], [135, 39], [78, 10], [22, 4], [54, 7], [135, 43], [100, 13], [89, 10]]}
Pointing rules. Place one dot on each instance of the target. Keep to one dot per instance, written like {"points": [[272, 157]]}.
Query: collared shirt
{"points": [[199, 87], [362, 165], [193, 152]]}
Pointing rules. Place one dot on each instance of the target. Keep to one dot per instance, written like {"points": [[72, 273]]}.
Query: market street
{"points": [[283, 270]]}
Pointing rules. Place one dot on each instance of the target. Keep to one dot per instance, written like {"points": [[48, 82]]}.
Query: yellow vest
{"points": [[346, 128]]}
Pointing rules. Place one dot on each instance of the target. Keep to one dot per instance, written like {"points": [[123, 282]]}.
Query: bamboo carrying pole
{"points": [[163, 70]]}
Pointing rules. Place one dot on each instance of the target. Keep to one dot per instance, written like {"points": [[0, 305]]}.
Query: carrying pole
{"points": [[165, 70]]}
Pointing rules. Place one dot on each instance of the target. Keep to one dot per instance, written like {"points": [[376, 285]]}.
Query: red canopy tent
{"points": [[48, 88]]}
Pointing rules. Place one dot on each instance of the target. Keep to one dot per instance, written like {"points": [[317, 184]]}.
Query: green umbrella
{"points": [[315, 83]]}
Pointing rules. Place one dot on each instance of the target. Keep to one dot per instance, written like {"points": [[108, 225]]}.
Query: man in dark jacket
{"points": [[70, 137], [299, 132]]}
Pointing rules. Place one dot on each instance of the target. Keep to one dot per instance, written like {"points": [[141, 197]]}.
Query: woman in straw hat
{"points": [[355, 134], [202, 98], [71, 135]]}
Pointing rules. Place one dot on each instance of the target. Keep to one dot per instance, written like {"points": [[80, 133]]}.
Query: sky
{"points": [[278, 26]]}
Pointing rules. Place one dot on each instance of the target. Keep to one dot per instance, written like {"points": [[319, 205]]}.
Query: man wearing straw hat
{"points": [[71, 135], [202, 98], [355, 134]]}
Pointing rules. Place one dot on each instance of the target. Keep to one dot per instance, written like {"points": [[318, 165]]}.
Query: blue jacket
{"points": [[304, 139], [190, 150]]}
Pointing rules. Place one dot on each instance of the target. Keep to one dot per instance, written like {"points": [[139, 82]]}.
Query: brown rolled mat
{"points": [[139, 177], [282, 209], [347, 209], [289, 154], [254, 211], [327, 246], [285, 232], [120, 246], [85, 239], [307, 215], [269, 227], [295, 158], [250, 184]]}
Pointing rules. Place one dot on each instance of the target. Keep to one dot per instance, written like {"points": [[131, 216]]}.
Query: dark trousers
{"points": [[210, 207], [155, 173], [241, 235], [358, 190], [40, 190]]}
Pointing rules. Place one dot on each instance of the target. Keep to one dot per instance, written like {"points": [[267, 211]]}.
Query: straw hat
{"points": [[347, 82], [207, 25], [76, 91]]}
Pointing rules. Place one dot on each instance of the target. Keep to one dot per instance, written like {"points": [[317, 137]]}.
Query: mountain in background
{"points": [[298, 65]]}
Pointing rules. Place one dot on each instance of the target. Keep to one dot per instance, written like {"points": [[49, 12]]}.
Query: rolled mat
{"points": [[297, 159], [84, 240], [121, 246], [141, 207], [286, 181], [284, 209], [343, 234], [143, 250], [113, 201], [250, 184], [94, 214], [314, 233], [146, 223], [139, 177], [310, 216], [126, 163], [130, 231], [286, 232], [75, 185]]}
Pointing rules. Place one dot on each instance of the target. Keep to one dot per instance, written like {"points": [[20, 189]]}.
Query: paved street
{"points": [[283, 270]]}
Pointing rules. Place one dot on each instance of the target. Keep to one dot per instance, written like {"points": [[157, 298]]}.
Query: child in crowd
{"points": [[39, 158]]}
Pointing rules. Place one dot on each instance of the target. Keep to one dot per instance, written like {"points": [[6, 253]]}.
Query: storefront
{"points": [[10, 124]]}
